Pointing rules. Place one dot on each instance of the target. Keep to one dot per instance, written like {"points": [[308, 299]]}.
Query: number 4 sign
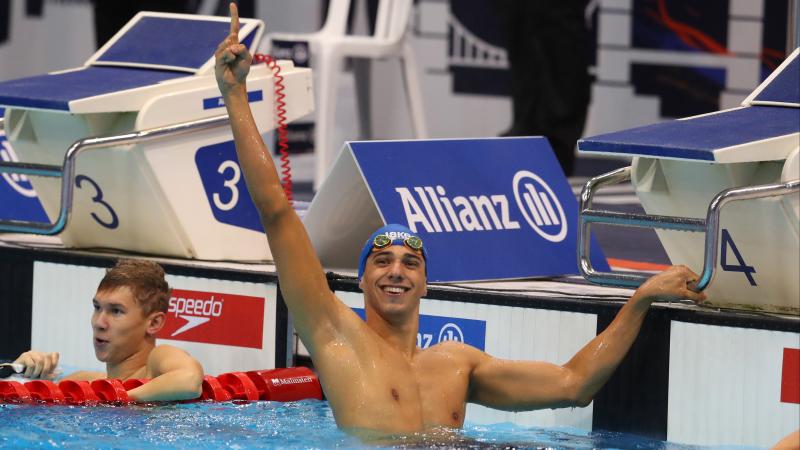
{"points": [[727, 241]]}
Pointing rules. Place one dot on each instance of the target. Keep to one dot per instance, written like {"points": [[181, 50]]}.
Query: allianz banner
{"points": [[487, 209]]}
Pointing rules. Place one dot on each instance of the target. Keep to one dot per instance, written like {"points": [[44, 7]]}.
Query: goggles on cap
{"points": [[391, 234], [412, 242]]}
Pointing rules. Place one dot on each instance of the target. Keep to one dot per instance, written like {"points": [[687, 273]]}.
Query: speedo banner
{"points": [[214, 318]]}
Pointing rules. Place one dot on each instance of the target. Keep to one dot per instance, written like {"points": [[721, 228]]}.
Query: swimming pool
{"points": [[242, 425]]}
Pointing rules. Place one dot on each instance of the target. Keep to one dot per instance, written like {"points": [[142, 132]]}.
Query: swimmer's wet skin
{"points": [[129, 309], [438, 437], [372, 372]]}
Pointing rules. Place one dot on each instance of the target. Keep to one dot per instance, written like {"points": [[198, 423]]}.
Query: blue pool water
{"points": [[272, 425]]}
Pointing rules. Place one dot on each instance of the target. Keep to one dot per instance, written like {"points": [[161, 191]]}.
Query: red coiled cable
{"points": [[280, 113]]}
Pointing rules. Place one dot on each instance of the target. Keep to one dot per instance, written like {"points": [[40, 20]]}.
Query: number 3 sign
{"points": [[224, 186]]}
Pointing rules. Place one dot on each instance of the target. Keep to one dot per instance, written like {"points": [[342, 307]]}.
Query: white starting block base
{"points": [[763, 231], [149, 197], [681, 166], [180, 195]]}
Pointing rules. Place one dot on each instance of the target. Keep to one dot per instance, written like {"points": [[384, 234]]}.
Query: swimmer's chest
{"points": [[378, 388], [432, 389]]}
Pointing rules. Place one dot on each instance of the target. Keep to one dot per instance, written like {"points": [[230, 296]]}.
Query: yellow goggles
{"points": [[412, 242]]}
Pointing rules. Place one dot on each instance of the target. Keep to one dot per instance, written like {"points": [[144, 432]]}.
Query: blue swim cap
{"points": [[398, 234]]}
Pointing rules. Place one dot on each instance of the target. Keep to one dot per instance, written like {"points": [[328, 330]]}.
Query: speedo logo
{"points": [[195, 311], [219, 318], [432, 209]]}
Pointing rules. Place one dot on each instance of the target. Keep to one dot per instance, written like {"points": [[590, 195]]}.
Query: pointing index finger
{"points": [[234, 19]]}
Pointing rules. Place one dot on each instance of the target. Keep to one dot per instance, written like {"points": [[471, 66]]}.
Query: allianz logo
{"points": [[19, 183], [432, 209], [448, 332]]}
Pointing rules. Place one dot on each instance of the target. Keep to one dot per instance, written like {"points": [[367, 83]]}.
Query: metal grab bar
{"points": [[67, 170], [709, 225]]}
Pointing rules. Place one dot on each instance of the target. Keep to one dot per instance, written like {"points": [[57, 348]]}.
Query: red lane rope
{"points": [[282, 385], [280, 113]]}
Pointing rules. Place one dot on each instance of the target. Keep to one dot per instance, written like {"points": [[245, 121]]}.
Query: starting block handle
{"points": [[714, 210], [67, 170], [709, 225]]}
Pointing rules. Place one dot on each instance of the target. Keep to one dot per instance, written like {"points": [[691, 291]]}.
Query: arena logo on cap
{"points": [[433, 210], [214, 318], [395, 235]]}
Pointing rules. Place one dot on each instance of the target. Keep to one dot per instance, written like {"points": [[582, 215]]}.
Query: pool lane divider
{"points": [[282, 385]]}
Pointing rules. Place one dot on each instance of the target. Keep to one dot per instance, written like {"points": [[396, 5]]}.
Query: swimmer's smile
{"points": [[394, 290]]}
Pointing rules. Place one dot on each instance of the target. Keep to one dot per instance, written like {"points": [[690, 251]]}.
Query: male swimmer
{"points": [[129, 309], [373, 374]]}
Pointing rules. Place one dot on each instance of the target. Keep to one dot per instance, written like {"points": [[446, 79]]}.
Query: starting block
{"points": [[157, 171], [733, 175]]}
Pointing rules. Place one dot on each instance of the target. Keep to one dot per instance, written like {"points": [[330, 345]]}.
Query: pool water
{"points": [[240, 425]]}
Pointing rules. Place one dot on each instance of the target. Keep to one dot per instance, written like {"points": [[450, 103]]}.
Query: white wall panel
{"points": [[724, 385], [62, 308]]}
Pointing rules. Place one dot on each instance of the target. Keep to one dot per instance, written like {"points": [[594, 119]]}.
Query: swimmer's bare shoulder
{"points": [[85, 375], [464, 353], [166, 358], [342, 337]]}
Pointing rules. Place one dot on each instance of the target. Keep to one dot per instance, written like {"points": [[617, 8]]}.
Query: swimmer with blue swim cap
{"points": [[373, 374], [391, 234]]}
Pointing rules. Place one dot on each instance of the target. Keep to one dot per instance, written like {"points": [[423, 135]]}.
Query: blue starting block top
{"points": [[726, 136], [151, 49], [766, 129], [167, 43], [56, 91]]}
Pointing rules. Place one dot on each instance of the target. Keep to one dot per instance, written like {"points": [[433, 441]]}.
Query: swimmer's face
{"points": [[394, 280], [119, 327]]}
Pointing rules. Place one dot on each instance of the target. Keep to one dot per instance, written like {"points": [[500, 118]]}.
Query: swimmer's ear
{"points": [[155, 322]]}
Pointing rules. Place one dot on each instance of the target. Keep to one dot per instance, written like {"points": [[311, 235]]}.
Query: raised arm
{"points": [[302, 280], [523, 385], [174, 374]]}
